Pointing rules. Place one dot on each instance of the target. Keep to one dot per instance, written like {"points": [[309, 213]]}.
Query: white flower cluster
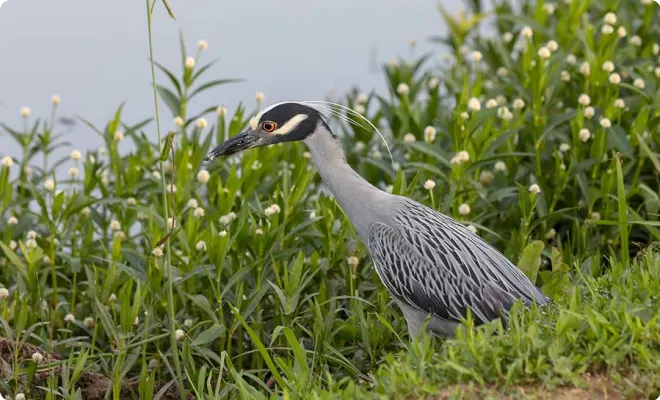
{"points": [[460, 157], [273, 209]]}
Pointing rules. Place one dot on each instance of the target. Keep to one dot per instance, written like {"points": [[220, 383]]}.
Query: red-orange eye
{"points": [[268, 126]]}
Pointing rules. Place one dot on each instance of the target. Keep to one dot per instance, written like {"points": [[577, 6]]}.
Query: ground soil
{"points": [[93, 385]]}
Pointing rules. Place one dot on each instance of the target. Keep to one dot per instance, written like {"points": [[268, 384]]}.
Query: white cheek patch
{"points": [[290, 124]]}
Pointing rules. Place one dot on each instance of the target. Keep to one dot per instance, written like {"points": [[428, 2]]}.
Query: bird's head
{"points": [[281, 122]]}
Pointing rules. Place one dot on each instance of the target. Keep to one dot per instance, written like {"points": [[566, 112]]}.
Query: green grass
{"points": [[235, 297], [607, 325]]}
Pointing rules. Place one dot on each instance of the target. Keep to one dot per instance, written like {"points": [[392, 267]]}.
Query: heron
{"points": [[433, 266]]}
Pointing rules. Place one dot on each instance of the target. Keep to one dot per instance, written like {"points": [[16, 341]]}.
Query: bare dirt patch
{"points": [[597, 387], [92, 385]]}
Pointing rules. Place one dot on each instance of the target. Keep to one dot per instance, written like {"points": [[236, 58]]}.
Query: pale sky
{"points": [[94, 54]]}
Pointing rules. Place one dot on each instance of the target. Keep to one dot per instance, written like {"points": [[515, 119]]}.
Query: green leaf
{"points": [[530, 261], [14, 260], [298, 352], [623, 214], [170, 75], [211, 84], [170, 99], [167, 146], [169, 9], [649, 153], [617, 138], [260, 346], [209, 335]]}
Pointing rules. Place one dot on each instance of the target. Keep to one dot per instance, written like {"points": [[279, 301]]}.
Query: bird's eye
{"points": [[268, 126]]}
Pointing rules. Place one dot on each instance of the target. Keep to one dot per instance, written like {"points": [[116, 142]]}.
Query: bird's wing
{"points": [[438, 266]]}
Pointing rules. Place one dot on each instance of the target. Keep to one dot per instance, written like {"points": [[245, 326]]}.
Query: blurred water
{"points": [[95, 54]]}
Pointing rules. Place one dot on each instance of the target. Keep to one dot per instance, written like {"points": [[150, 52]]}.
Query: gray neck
{"points": [[361, 201]]}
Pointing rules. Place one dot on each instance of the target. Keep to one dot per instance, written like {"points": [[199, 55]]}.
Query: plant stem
{"points": [[168, 261]]}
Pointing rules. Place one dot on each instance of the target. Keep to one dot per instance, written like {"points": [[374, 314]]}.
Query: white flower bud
{"points": [[610, 18], [49, 184], [403, 89], [179, 334], [622, 32], [190, 62], [474, 104], [589, 112], [37, 358], [485, 177], [534, 189], [409, 138], [585, 69], [201, 123], [584, 134], [605, 123], [157, 251], [584, 99], [549, 8], [464, 209], [429, 134], [636, 40], [203, 176], [518, 104], [608, 66]]}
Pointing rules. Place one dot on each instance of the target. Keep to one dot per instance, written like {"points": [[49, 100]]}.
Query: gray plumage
{"points": [[431, 264]]}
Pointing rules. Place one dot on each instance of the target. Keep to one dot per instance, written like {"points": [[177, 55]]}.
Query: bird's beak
{"points": [[243, 141]]}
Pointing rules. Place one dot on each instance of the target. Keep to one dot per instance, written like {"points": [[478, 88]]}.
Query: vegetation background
{"points": [[151, 274]]}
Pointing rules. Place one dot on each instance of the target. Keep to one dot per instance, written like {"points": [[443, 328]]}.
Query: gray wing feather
{"points": [[436, 265]]}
